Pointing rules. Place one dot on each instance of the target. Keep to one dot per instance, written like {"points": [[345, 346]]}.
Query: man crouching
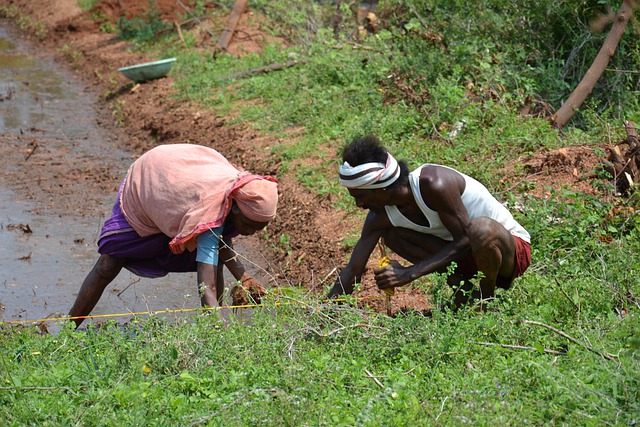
{"points": [[431, 217]]}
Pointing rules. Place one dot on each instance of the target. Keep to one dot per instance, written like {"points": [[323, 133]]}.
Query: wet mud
{"points": [[62, 163]]}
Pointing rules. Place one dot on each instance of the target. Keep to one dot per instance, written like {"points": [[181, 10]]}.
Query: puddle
{"points": [[41, 271]]}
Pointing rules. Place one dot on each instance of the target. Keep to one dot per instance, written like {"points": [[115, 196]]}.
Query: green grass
{"points": [[87, 4], [562, 347], [321, 365]]}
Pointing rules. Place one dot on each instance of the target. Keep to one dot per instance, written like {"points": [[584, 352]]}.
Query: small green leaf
{"points": [[539, 347]]}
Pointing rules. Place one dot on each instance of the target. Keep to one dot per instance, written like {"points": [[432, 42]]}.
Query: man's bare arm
{"points": [[352, 273]]}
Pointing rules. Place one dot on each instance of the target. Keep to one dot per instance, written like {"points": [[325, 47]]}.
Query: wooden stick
{"points": [[573, 340], [355, 46], [520, 347], [266, 69], [177, 24], [567, 295], [69, 389], [370, 375], [342, 328], [232, 22], [196, 18]]}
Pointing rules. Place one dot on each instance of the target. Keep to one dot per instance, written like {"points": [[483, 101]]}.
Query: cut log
{"points": [[230, 27], [625, 166]]}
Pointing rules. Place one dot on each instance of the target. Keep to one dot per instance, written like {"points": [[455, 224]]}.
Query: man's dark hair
{"points": [[368, 149]]}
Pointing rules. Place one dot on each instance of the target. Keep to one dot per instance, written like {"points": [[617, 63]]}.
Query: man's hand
{"points": [[392, 275], [340, 289]]}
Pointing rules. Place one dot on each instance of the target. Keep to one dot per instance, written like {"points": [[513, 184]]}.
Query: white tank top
{"points": [[476, 198]]}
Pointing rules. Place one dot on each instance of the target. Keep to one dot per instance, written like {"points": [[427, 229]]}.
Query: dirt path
{"points": [[63, 160]]}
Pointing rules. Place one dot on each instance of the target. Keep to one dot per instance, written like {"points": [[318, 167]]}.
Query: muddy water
{"points": [[41, 271]]}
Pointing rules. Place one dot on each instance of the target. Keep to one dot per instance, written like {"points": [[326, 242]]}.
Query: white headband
{"points": [[369, 176]]}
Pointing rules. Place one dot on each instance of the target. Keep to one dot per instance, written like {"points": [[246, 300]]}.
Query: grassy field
{"points": [[561, 348]]}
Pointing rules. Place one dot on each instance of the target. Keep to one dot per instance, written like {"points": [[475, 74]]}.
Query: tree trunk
{"points": [[586, 85], [625, 167]]}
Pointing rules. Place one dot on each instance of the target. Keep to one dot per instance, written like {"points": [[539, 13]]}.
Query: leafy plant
{"points": [[141, 30]]}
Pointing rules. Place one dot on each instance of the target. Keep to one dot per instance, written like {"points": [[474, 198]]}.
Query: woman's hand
{"points": [[250, 292]]}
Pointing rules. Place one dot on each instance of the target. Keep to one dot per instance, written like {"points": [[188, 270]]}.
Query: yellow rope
{"points": [[169, 311]]}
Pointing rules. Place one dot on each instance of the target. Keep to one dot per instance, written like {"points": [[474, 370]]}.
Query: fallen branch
{"points": [[632, 136], [196, 18], [266, 69], [415, 12], [625, 167], [370, 375], [177, 25], [567, 296], [520, 347], [355, 46], [573, 340], [342, 328], [69, 389], [232, 23]]}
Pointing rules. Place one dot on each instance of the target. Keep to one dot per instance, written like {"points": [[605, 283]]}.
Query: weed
{"points": [[87, 4], [141, 30], [285, 243], [117, 111], [24, 22]]}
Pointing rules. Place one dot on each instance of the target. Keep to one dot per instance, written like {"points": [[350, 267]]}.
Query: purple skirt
{"points": [[144, 256]]}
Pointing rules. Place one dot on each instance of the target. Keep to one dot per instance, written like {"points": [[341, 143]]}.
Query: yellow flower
{"points": [[384, 261]]}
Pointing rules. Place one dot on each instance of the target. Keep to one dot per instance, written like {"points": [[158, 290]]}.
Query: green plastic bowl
{"points": [[148, 71]]}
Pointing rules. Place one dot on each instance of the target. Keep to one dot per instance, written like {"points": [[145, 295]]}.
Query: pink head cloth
{"points": [[258, 199]]}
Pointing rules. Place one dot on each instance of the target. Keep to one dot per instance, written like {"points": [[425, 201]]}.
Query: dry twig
{"points": [[177, 25], [519, 347], [370, 375], [573, 340], [196, 18], [266, 69], [567, 295], [69, 389]]}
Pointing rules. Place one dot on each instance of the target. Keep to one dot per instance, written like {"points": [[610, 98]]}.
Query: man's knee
{"points": [[493, 247], [485, 232]]}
